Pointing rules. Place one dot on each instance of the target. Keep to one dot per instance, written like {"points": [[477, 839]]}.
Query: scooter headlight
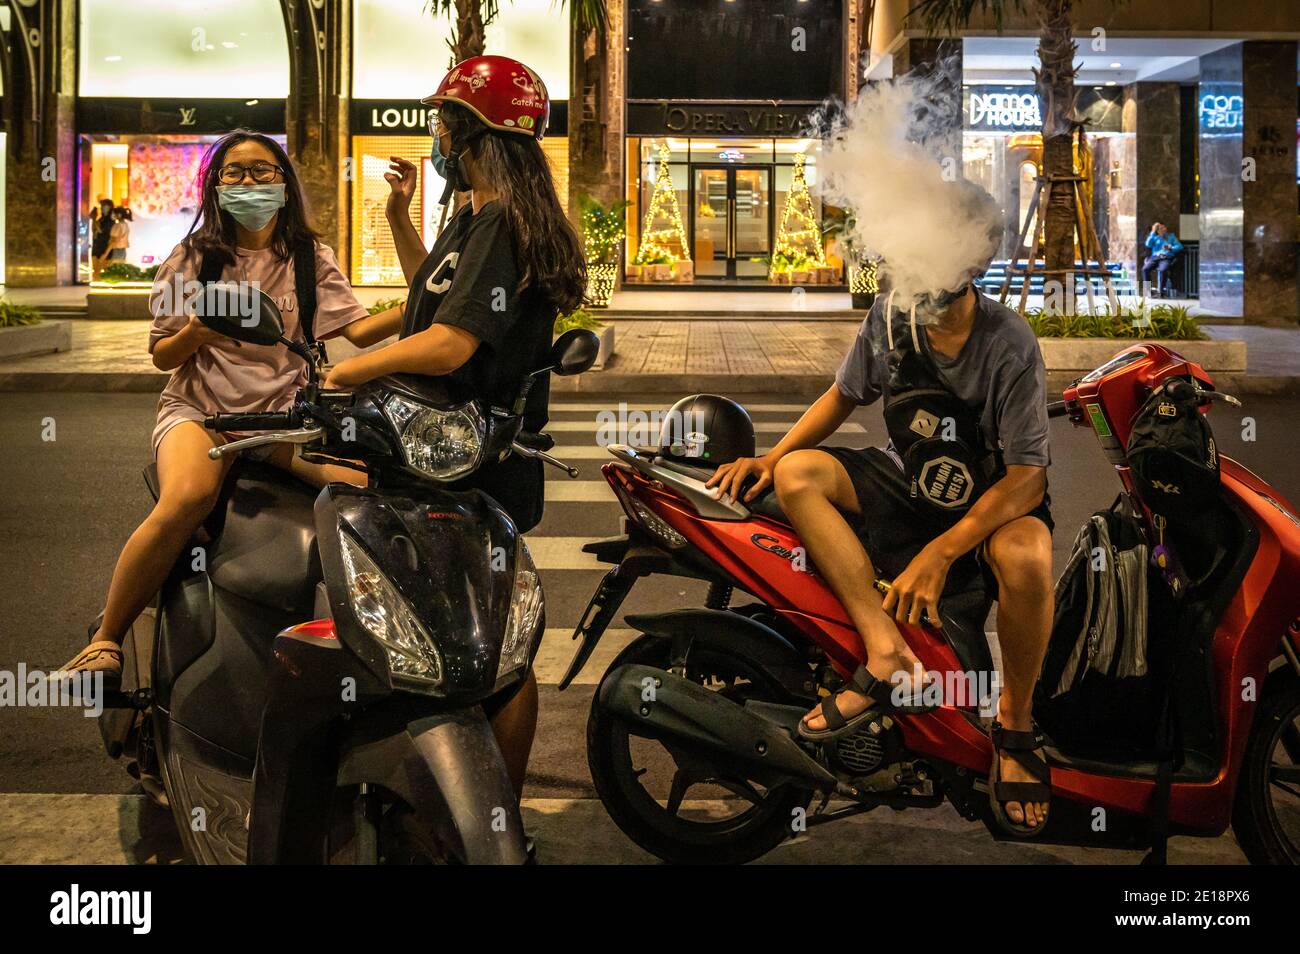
{"points": [[386, 615], [441, 444], [525, 611]]}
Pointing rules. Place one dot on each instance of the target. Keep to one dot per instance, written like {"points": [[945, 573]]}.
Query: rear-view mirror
{"points": [[239, 311], [574, 352]]}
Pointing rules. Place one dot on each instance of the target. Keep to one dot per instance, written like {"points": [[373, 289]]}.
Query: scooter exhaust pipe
{"points": [[659, 705]]}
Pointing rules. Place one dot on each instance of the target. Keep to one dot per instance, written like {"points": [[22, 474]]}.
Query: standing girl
{"points": [[483, 302]]}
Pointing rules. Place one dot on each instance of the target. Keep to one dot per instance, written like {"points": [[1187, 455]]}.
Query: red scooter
{"points": [[692, 739]]}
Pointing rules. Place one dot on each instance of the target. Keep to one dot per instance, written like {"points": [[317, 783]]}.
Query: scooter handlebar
{"points": [[273, 421]]}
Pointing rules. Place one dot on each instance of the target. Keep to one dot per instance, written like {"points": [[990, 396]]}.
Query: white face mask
{"points": [[252, 206]]}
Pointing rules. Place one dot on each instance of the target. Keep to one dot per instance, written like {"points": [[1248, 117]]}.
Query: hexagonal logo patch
{"points": [[946, 482]]}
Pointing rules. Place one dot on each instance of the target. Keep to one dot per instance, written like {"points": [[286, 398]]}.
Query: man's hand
{"points": [[918, 587], [344, 375], [729, 478]]}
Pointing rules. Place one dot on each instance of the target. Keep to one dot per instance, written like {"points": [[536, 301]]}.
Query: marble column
{"points": [[1150, 117], [40, 161], [1246, 131], [316, 113]]}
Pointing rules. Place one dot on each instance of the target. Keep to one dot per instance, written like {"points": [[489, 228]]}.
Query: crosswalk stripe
{"points": [[578, 491], [558, 647], [562, 553], [641, 432]]}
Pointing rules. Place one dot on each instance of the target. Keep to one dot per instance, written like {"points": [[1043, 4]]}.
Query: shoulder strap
{"points": [[304, 286], [209, 270]]}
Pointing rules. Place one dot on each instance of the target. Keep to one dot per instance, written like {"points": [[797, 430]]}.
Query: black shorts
{"points": [[895, 526]]}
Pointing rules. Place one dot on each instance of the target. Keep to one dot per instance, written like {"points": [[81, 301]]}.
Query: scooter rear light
{"points": [[653, 524]]}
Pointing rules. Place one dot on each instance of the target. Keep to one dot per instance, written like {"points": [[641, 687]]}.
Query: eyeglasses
{"points": [[435, 123], [260, 171]]}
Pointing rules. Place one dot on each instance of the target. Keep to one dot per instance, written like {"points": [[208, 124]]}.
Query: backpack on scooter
{"points": [[1100, 692], [1172, 454]]}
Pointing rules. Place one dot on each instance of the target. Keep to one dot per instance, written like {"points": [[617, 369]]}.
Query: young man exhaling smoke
{"points": [[956, 502]]}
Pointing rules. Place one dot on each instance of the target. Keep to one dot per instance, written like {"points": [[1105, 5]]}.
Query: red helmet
{"points": [[506, 95]]}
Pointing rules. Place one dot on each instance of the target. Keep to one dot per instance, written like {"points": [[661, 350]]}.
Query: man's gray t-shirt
{"points": [[999, 373]]}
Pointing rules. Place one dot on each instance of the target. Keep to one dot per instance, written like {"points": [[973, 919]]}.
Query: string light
{"points": [[663, 202], [799, 238]]}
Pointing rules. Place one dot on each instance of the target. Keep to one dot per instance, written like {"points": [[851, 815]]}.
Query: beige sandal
{"points": [[100, 656]]}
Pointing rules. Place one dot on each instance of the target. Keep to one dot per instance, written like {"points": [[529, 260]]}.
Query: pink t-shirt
{"points": [[234, 377]]}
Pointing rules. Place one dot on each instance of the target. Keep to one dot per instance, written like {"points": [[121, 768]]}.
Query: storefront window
{"points": [[374, 257], [227, 49], [400, 51], [745, 209], [152, 182]]}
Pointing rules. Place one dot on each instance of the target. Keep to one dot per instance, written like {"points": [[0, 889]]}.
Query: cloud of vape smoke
{"points": [[894, 160]]}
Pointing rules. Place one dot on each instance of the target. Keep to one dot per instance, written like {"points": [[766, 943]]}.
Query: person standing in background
{"points": [[119, 235], [101, 225]]}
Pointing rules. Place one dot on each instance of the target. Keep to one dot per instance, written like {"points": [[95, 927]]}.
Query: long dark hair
{"points": [[212, 233], [548, 253]]}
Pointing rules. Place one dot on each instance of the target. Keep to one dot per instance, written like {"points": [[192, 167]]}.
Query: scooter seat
{"points": [[266, 551], [260, 537], [767, 505]]}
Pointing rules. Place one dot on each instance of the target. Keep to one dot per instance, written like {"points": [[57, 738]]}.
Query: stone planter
{"points": [[606, 334], [127, 302], [1084, 354], [42, 338]]}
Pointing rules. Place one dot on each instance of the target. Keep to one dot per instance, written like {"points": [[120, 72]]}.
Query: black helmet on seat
{"points": [[706, 430]]}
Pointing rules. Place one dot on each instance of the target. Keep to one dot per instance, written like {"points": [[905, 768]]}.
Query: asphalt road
{"points": [[67, 505]]}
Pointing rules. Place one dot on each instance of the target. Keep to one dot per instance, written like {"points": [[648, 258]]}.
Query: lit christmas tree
{"points": [[799, 238], [655, 239]]}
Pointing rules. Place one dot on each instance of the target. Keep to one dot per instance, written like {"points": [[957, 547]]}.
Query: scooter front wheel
{"points": [[1266, 813], [644, 784]]}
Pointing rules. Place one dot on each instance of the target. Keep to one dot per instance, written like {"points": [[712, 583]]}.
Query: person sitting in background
{"points": [[1163, 248]]}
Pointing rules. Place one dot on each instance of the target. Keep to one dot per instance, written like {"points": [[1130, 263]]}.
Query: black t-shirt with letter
{"points": [[468, 281]]}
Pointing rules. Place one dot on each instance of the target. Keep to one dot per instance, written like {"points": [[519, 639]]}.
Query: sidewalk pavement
{"points": [[669, 356]]}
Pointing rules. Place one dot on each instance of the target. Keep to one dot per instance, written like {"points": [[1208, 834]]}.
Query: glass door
{"points": [[731, 221], [751, 204], [711, 221]]}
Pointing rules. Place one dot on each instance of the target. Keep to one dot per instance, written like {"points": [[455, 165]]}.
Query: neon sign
{"points": [[1005, 110], [1218, 111]]}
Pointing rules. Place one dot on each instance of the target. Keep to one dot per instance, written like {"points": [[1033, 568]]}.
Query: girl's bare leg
{"points": [[188, 487]]}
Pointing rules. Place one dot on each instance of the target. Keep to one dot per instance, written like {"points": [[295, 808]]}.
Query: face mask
{"points": [[438, 160], [252, 206]]}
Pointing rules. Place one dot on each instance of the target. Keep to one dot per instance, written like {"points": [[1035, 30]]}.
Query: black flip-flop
{"points": [[1023, 747]]}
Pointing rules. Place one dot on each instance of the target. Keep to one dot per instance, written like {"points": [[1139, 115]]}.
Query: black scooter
{"points": [[317, 683]]}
